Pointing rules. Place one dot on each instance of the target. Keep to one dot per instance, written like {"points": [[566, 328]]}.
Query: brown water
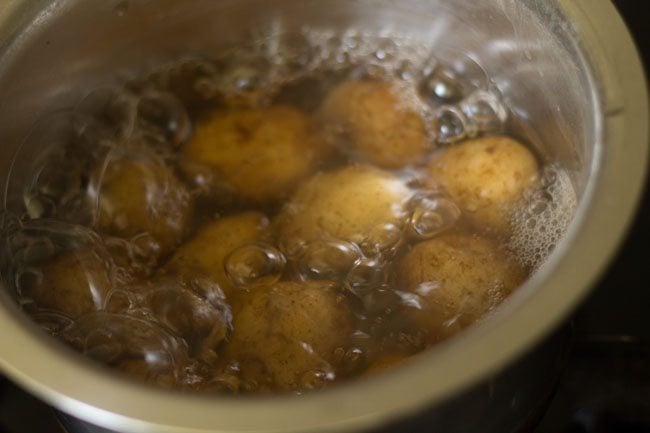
{"points": [[229, 224]]}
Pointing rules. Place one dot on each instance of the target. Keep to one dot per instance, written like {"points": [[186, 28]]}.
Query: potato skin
{"points": [[486, 177], [136, 196], [73, 283], [380, 129], [349, 204], [214, 241], [457, 278], [288, 329], [257, 154]]}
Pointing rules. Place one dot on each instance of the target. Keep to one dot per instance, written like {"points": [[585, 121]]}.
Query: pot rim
{"points": [[77, 386]]}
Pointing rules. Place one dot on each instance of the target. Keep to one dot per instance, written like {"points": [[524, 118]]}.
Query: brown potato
{"points": [[486, 177], [258, 154], [73, 283], [358, 204], [286, 333], [210, 246], [453, 281], [141, 196], [382, 130]]}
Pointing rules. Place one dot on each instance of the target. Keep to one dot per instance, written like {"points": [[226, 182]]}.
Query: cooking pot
{"points": [[573, 81]]}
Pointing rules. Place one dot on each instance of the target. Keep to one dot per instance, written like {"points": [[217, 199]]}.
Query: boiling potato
{"points": [[456, 279], [486, 177], [358, 204], [382, 130], [258, 154], [285, 334], [212, 244], [141, 196], [73, 283]]}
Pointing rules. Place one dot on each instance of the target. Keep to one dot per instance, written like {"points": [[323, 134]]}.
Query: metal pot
{"points": [[566, 67]]}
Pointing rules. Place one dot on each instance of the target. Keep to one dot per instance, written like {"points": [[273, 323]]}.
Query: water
{"points": [[115, 192]]}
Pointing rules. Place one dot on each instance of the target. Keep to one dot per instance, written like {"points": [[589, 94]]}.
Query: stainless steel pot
{"points": [[566, 67]]}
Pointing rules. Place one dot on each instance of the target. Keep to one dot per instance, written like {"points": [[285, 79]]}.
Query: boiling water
{"points": [[172, 325]]}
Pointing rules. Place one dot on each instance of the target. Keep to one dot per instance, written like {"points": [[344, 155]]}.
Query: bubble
{"points": [[52, 322], [120, 301], [315, 379], [414, 300], [294, 54], [432, 216], [328, 260], [245, 79], [57, 265], [405, 70], [381, 300], [539, 202], [112, 338], [204, 286], [350, 360], [202, 325], [343, 59], [133, 259], [543, 217], [440, 86], [385, 50], [484, 111], [352, 40], [255, 265], [549, 177], [293, 247], [333, 47], [53, 182], [164, 116], [114, 108], [365, 275], [531, 223], [381, 240], [450, 125], [226, 382], [470, 74]]}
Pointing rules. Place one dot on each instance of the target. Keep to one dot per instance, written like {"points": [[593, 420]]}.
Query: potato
{"points": [[210, 246], [456, 279], [286, 333], [358, 204], [141, 196], [73, 283], [379, 127], [257, 154], [486, 177]]}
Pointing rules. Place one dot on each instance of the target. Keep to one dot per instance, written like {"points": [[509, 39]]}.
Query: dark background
{"points": [[606, 387]]}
